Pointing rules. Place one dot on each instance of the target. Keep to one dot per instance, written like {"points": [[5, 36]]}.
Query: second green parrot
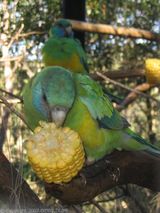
{"points": [[63, 50], [76, 101]]}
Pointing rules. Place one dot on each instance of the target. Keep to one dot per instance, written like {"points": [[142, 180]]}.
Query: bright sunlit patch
{"points": [[124, 204]]}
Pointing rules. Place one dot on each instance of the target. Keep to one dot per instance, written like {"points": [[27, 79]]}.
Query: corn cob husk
{"points": [[55, 154], [152, 68]]}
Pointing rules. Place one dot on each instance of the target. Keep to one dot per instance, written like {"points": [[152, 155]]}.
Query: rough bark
{"points": [[116, 169]]}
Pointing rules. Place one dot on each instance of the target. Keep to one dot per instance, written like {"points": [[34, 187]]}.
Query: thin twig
{"points": [[12, 58], [77, 208], [106, 200], [12, 95], [12, 109], [17, 62], [101, 209], [134, 199], [15, 37], [23, 35], [111, 199], [125, 87]]}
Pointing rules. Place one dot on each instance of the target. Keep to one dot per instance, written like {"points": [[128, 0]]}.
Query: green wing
{"points": [[82, 54], [98, 104]]}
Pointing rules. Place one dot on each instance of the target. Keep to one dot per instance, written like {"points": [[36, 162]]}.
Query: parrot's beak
{"points": [[69, 29], [58, 117]]}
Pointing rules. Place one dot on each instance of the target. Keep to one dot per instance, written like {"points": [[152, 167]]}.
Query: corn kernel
{"points": [[56, 154], [152, 67]]}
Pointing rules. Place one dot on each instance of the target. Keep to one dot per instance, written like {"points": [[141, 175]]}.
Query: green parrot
{"points": [[61, 49], [76, 101]]}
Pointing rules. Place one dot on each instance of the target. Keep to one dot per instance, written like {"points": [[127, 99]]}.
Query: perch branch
{"points": [[116, 169], [117, 31]]}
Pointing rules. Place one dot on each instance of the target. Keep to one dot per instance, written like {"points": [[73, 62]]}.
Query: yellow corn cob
{"points": [[152, 67], [56, 154]]}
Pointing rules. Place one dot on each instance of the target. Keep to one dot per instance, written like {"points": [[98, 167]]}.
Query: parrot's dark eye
{"points": [[57, 108], [44, 98]]}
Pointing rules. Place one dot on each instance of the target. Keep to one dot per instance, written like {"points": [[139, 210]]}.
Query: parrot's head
{"points": [[62, 28], [54, 94]]}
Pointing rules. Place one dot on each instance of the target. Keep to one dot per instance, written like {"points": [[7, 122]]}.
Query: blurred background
{"points": [[24, 27]]}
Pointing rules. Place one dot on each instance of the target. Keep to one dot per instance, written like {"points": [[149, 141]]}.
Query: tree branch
{"points": [[121, 73], [101, 209], [9, 190], [15, 37], [133, 95], [24, 35], [12, 58], [12, 109], [12, 95], [126, 87], [117, 31], [116, 169], [3, 127]]}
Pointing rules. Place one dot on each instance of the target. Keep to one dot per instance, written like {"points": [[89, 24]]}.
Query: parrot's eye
{"points": [[44, 97], [58, 108]]}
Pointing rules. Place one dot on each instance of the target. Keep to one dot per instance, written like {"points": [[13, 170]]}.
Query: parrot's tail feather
{"points": [[150, 148], [153, 151]]}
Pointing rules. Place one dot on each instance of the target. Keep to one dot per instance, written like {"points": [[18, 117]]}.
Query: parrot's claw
{"points": [[89, 161], [83, 178]]}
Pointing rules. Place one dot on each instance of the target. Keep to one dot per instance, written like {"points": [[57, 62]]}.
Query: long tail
{"points": [[150, 148], [153, 150]]}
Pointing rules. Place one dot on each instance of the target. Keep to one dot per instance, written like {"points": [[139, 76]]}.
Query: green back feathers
{"points": [[98, 104], [61, 49]]}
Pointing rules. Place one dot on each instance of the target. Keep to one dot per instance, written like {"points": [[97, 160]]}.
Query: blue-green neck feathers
{"points": [[61, 93], [47, 93], [38, 100]]}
